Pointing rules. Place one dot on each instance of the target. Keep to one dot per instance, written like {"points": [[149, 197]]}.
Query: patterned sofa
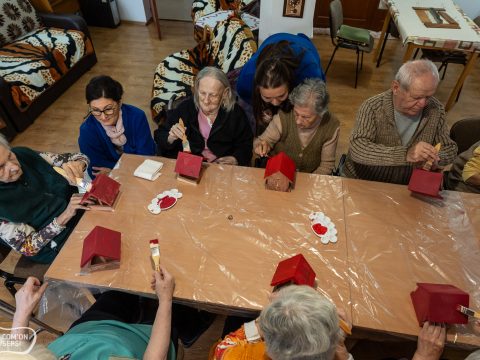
{"points": [[229, 45], [41, 55]]}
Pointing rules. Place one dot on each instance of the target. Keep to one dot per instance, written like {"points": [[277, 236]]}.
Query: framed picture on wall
{"points": [[293, 8]]}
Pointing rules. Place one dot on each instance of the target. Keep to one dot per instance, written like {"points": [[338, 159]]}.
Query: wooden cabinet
{"points": [[364, 14]]}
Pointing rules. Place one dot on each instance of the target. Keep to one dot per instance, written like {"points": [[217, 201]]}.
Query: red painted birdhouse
{"points": [[188, 167], [103, 193], [101, 250], [280, 173], [438, 303], [295, 270], [426, 182]]}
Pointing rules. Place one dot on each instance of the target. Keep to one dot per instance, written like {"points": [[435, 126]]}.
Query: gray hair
{"points": [[413, 69], [474, 356], [311, 92], [300, 323], [228, 100], [4, 142]]}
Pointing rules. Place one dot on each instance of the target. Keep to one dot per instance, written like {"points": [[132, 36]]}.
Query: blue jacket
{"points": [[310, 66], [95, 143]]}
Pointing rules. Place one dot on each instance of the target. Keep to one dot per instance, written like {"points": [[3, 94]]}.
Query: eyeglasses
{"points": [[107, 111]]}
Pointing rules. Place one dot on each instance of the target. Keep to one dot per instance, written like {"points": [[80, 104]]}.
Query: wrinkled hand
{"points": [[422, 152], [71, 210], [163, 283], [29, 295], [431, 341], [97, 170], [176, 132], [262, 148], [476, 327], [227, 160], [74, 170]]}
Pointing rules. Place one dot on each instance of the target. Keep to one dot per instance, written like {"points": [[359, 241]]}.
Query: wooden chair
{"points": [[347, 37]]}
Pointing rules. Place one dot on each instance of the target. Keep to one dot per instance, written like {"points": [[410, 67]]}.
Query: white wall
{"points": [[471, 7], [272, 21], [133, 10]]}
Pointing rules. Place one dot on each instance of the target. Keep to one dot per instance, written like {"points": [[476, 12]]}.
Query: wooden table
{"points": [[396, 240], [224, 238], [415, 35]]}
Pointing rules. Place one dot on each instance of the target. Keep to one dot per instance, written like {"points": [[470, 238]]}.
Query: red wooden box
{"points": [[101, 246], [296, 270], [188, 165], [283, 164], [438, 303], [426, 182], [104, 191]]}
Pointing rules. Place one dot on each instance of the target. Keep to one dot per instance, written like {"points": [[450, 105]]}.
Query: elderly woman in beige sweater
{"points": [[308, 134]]}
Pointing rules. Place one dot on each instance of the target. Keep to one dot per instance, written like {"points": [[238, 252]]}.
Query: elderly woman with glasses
{"points": [[214, 125], [38, 206], [112, 128], [308, 133]]}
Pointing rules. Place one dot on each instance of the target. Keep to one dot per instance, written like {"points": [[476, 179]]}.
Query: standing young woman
{"points": [[112, 128], [281, 63]]}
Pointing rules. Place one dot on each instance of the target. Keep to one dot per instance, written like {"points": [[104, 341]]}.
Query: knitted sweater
{"points": [[376, 151], [307, 157]]}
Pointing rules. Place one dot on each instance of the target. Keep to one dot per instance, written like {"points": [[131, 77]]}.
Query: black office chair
{"points": [[347, 37], [465, 133]]}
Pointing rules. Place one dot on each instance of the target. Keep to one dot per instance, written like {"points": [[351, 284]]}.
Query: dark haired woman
{"points": [[281, 63], [112, 128]]}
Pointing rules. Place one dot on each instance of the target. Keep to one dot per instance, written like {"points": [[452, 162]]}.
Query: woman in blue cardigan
{"points": [[112, 128]]}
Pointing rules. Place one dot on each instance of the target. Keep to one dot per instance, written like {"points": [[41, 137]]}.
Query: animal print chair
{"points": [[230, 47], [41, 55]]}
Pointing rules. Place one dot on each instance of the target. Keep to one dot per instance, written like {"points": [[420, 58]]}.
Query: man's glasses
{"points": [[108, 111]]}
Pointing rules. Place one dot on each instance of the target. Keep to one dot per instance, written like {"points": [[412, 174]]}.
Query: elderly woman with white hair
{"points": [[299, 323], [214, 125], [302, 324], [38, 208], [308, 134]]}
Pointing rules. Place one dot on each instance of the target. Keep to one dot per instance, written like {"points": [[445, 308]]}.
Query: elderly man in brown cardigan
{"points": [[397, 130]]}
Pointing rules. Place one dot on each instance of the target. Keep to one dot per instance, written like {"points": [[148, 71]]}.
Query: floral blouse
{"points": [[22, 237]]}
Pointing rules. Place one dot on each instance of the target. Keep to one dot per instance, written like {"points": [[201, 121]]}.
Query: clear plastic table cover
{"points": [[224, 238], [396, 239]]}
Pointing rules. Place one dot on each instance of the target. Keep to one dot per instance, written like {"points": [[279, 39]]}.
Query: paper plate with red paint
{"points": [[323, 227], [164, 201]]}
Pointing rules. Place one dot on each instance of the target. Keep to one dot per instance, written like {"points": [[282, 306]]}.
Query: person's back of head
{"points": [[299, 324], [276, 66], [474, 356]]}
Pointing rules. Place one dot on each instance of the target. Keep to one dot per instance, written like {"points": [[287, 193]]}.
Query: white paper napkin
{"points": [[149, 170]]}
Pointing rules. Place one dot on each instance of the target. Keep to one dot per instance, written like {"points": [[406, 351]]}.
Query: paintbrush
{"points": [[428, 165], [185, 143], [155, 251], [469, 312], [344, 326], [81, 183]]}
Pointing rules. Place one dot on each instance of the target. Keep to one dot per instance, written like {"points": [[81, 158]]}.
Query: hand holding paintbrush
{"points": [[178, 131]]}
